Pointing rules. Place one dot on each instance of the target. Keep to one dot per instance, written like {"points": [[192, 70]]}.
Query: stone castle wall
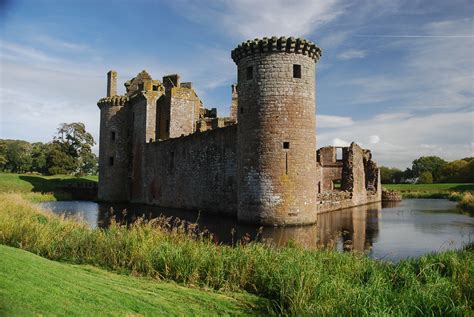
{"points": [[195, 172]]}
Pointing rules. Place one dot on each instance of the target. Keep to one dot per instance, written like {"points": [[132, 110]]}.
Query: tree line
{"points": [[69, 152], [431, 169]]}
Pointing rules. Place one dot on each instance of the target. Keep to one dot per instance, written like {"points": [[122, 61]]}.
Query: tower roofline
{"points": [[275, 44]]}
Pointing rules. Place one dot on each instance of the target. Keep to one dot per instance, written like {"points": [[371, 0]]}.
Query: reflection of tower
{"points": [[358, 226], [276, 134], [303, 236]]}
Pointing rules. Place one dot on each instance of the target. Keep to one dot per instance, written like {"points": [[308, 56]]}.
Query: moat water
{"points": [[392, 231]]}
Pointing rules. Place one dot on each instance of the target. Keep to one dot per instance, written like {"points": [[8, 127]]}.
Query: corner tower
{"points": [[276, 131], [114, 144]]}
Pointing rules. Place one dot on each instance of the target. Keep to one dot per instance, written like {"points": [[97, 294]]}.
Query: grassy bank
{"points": [[295, 281], [430, 190], [37, 188], [461, 192], [31, 285]]}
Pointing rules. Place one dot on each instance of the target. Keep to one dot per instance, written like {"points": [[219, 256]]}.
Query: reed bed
{"points": [[296, 281]]}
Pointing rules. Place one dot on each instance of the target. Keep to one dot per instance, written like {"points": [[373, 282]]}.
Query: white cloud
{"points": [[403, 139], [374, 139], [351, 54], [328, 121], [339, 142], [247, 19]]}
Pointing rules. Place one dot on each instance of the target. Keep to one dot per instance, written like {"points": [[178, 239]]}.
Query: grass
{"points": [[293, 280], [430, 190], [31, 285], [38, 188]]}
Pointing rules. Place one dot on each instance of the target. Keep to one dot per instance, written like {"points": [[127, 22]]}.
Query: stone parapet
{"points": [[113, 101], [274, 44]]}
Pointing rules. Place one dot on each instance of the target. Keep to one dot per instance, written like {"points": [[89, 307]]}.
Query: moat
{"points": [[393, 231]]}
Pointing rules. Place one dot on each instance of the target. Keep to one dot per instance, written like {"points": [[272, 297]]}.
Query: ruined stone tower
{"points": [[276, 131], [114, 144]]}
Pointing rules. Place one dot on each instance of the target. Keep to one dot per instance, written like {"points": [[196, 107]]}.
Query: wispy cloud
{"points": [[351, 54], [15, 51], [437, 72], [59, 44], [246, 19], [328, 121]]}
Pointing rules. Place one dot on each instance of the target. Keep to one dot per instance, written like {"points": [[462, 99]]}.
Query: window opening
{"points": [[286, 145], [296, 71], [111, 160], [339, 154], [112, 135], [249, 73]]}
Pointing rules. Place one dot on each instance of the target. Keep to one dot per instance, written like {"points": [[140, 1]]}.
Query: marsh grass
{"points": [[465, 200], [296, 281]]}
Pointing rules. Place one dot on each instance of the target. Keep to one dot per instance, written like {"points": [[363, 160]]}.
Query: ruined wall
{"points": [[183, 105], [194, 172], [353, 173]]}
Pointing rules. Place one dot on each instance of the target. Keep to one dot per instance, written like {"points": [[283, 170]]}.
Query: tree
{"points": [[39, 155], [455, 172], [59, 162], [432, 164], [3, 155], [18, 156], [425, 178], [71, 151], [390, 175]]}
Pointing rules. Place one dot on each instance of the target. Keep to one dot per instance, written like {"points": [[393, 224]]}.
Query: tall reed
{"points": [[297, 281]]}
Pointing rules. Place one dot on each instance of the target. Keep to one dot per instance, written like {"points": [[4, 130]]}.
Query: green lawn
{"points": [[23, 183], [31, 285], [40, 188]]}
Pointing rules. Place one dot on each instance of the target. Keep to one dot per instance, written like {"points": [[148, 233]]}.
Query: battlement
{"points": [[113, 101], [274, 44]]}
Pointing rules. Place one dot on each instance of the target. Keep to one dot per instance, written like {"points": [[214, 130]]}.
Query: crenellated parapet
{"points": [[275, 44], [113, 101]]}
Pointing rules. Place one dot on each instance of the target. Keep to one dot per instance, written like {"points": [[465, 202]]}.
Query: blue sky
{"points": [[395, 76]]}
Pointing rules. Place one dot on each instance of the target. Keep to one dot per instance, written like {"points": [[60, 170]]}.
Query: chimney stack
{"points": [[111, 83]]}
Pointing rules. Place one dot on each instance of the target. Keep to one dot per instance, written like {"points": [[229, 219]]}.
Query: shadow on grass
{"points": [[464, 188], [64, 189]]}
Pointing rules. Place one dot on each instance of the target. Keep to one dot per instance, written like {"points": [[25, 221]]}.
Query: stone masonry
{"points": [[159, 145]]}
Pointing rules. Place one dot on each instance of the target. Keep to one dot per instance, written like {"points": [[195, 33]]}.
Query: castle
{"points": [[159, 145]]}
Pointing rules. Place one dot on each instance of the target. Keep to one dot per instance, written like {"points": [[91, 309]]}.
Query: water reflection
{"points": [[402, 229]]}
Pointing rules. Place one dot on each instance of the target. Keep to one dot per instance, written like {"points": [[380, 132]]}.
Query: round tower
{"points": [[276, 131], [114, 144]]}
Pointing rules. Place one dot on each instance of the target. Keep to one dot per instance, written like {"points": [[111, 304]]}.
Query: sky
{"points": [[395, 76]]}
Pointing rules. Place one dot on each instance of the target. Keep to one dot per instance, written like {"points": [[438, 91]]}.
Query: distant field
{"points": [[31, 285], [431, 190], [431, 187]]}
